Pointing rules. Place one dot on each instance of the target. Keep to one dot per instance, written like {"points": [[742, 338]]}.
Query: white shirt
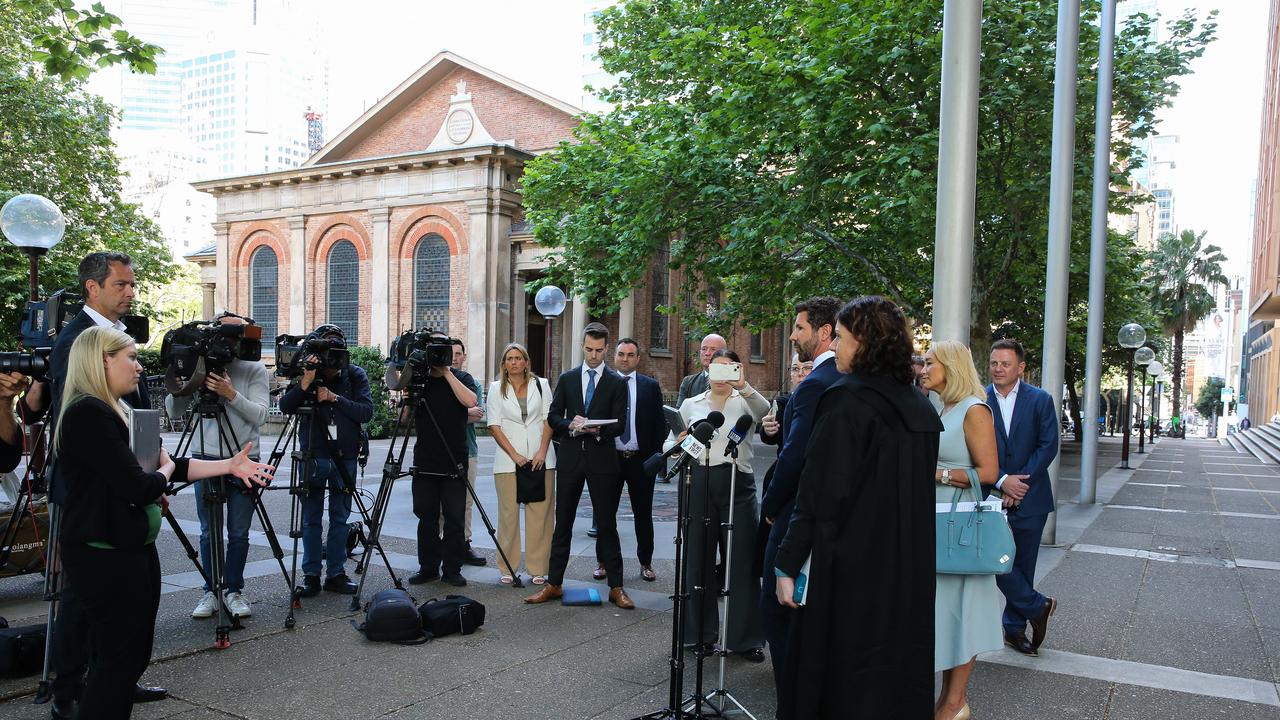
{"points": [[599, 371], [634, 444], [1006, 403], [101, 321], [698, 407], [822, 358]]}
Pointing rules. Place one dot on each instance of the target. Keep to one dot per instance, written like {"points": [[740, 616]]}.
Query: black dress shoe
{"points": [[754, 655], [593, 532], [310, 586], [144, 694], [1019, 642], [471, 558], [64, 709], [455, 579], [1040, 623], [340, 584], [422, 577]]}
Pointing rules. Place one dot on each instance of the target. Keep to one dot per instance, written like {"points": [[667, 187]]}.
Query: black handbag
{"points": [[391, 617], [530, 484], [453, 614], [21, 650]]}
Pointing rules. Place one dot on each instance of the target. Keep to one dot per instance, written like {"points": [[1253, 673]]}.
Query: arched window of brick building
{"points": [[431, 283], [344, 290], [659, 295], [264, 294]]}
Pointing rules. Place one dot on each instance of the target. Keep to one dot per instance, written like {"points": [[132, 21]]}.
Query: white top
{"points": [[101, 321], [633, 444], [1006, 403], [822, 358], [698, 408], [523, 432], [599, 371]]}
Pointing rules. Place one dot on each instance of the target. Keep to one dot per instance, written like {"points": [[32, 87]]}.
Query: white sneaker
{"points": [[237, 605], [207, 607]]}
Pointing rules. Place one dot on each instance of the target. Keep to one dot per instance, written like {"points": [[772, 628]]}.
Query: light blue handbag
{"points": [[972, 542]]}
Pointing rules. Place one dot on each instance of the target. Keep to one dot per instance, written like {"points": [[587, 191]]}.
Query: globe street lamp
{"points": [[1155, 369], [33, 224], [1142, 357], [1131, 337], [549, 301]]}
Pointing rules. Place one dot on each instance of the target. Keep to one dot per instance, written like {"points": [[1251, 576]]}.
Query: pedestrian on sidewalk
{"points": [[1027, 441], [967, 608]]}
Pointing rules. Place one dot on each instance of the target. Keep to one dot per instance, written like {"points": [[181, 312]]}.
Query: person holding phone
{"points": [[709, 497]]}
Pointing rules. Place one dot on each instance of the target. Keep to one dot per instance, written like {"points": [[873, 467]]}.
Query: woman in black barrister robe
{"points": [[862, 645]]}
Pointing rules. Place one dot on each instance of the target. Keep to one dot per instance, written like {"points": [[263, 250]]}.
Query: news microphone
{"points": [[739, 431], [715, 418], [699, 436]]}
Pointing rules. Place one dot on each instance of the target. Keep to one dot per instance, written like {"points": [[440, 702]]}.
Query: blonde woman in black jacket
{"points": [[112, 515]]}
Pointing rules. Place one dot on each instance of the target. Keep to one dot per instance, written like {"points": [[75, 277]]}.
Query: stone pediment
{"points": [[453, 103]]}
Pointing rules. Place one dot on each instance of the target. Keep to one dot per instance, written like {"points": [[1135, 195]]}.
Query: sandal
{"points": [[539, 580], [506, 580]]}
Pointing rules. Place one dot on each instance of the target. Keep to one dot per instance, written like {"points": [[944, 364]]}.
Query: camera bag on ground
{"points": [[453, 614], [21, 649], [392, 617]]}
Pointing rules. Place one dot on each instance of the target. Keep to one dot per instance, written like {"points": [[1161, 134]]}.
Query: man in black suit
{"points": [[108, 283], [697, 383], [641, 437], [586, 454]]}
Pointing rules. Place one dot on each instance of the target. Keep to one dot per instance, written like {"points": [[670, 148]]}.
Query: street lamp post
{"points": [[33, 224], [1131, 337], [1143, 356], [549, 301], [1157, 390]]}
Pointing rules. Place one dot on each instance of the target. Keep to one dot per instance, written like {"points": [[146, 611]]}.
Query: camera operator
{"points": [[11, 385], [342, 403], [108, 283], [245, 413], [440, 462]]}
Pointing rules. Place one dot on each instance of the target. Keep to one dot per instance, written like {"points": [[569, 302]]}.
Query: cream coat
{"points": [[525, 436]]}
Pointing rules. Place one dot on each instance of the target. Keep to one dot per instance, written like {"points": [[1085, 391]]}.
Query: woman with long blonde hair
{"points": [[517, 405], [112, 515], [966, 607]]}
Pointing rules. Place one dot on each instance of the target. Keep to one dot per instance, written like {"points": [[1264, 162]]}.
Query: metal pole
{"points": [[1061, 169], [957, 170], [1098, 251], [1142, 414], [1128, 401]]}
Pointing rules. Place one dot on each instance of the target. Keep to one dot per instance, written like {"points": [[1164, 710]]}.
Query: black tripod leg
{"points": [[53, 591], [192, 555], [493, 533], [269, 530]]}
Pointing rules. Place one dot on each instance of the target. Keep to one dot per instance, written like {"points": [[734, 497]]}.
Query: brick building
{"points": [[412, 217], [1262, 368]]}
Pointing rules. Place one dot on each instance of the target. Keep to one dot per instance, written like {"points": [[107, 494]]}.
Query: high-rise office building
{"points": [[593, 75]]}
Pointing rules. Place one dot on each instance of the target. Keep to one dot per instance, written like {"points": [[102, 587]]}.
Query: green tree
{"points": [[374, 364], [785, 148], [70, 43], [1183, 273], [55, 141], [1209, 404]]}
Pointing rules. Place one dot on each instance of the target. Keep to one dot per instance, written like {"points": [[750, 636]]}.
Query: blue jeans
{"points": [[325, 475], [239, 515]]}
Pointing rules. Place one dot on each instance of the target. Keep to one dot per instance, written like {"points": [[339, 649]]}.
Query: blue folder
{"points": [[581, 596]]}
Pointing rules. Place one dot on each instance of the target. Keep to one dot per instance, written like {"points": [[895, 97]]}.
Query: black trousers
{"points": [[776, 618], [119, 592], [710, 500], [435, 496], [640, 492], [69, 650], [606, 491]]}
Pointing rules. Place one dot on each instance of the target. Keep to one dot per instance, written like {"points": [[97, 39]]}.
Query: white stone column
{"points": [[210, 303], [480, 286], [627, 316], [379, 279], [519, 314], [297, 276], [222, 265], [579, 323]]}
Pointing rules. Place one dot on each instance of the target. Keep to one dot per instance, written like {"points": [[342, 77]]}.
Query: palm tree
{"points": [[1183, 273]]}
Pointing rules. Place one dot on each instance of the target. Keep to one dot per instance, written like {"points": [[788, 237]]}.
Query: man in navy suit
{"points": [[640, 438], [586, 454], [1026, 441], [813, 337]]}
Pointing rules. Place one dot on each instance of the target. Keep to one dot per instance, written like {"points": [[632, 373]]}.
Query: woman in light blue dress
{"points": [[967, 608]]}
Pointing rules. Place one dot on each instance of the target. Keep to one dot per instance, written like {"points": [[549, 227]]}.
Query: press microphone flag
{"points": [[739, 431], [701, 434]]}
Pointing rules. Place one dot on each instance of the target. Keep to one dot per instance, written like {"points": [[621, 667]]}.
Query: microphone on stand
{"points": [[738, 433]]}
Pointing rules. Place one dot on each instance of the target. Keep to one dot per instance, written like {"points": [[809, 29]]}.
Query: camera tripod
{"points": [[391, 471], [207, 406], [302, 461]]}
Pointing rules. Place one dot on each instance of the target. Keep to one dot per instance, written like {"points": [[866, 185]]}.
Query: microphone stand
{"points": [[720, 692]]}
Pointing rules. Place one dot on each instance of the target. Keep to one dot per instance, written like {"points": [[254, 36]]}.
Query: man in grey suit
{"points": [[697, 383]]}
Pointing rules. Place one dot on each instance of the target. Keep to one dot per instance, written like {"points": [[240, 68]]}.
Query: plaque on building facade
{"points": [[459, 126]]}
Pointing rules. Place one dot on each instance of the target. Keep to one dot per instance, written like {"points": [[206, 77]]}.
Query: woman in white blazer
{"points": [[516, 408]]}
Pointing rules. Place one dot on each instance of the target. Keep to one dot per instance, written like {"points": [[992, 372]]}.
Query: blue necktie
{"points": [[591, 388], [626, 428]]}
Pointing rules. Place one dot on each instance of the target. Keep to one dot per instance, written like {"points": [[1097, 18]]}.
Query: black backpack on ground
{"points": [[453, 614], [391, 617], [21, 649]]}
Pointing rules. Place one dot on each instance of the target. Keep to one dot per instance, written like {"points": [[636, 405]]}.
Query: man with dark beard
{"points": [[812, 337]]}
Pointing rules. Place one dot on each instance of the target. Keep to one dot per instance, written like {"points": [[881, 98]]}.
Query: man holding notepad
{"points": [[588, 411]]}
